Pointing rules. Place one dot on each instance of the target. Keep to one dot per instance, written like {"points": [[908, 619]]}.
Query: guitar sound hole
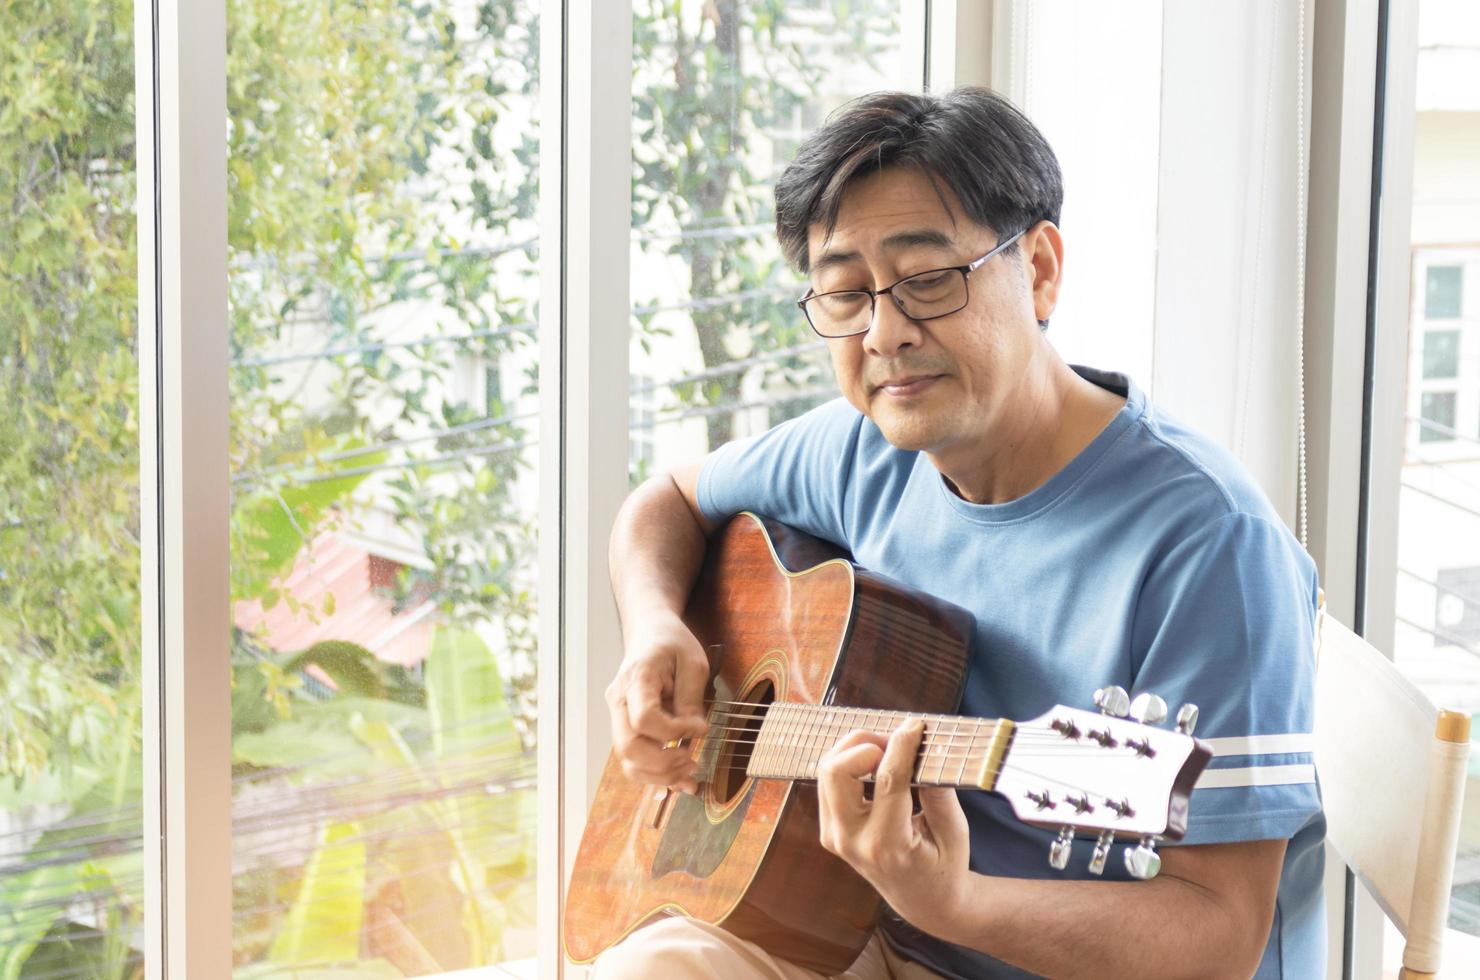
{"points": [[743, 728]]}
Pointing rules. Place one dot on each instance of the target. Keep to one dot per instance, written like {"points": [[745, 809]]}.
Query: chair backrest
{"points": [[1391, 768]]}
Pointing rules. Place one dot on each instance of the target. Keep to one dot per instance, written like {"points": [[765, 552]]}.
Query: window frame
{"points": [[180, 88], [1363, 139], [584, 215]]}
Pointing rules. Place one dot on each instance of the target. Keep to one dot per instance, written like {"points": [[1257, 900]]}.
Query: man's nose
{"points": [[890, 330]]}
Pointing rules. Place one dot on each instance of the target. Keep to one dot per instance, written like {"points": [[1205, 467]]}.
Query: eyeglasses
{"points": [[922, 296]]}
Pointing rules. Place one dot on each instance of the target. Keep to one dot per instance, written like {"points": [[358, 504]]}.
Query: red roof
{"points": [[364, 611]]}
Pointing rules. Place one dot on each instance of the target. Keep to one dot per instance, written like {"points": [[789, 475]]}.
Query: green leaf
{"points": [[28, 899], [353, 669], [323, 924], [465, 696]]}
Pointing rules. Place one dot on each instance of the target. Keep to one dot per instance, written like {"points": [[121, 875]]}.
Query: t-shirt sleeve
{"points": [[795, 473], [1226, 621]]}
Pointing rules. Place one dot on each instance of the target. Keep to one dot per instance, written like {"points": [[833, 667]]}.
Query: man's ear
{"points": [[1044, 248]]}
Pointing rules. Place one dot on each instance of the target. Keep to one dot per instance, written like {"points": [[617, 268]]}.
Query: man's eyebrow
{"points": [[914, 238], [928, 237]]}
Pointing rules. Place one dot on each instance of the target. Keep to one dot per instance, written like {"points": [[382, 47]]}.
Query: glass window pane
{"points": [[723, 92], [71, 851], [1441, 354], [1437, 416], [1437, 629], [1442, 292], [383, 278]]}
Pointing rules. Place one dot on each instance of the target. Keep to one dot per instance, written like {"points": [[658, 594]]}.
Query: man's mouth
{"points": [[907, 385]]}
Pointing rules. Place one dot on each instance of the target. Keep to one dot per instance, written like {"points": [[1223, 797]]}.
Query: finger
{"points": [[690, 679], [893, 805], [841, 809], [645, 711], [943, 820], [645, 760]]}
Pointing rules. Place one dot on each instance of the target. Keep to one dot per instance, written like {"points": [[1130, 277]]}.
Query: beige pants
{"points": [[685, 949]]}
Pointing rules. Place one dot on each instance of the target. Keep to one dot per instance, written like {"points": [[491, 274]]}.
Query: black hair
{"points": [[992, 158]]}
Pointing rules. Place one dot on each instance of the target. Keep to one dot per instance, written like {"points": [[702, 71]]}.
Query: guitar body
{"points": [[786, 618]]}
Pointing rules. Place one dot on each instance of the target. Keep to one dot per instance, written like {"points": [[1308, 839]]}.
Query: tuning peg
{"points": [[1060, 849], [1186, 719], [1142, 861], [1101, 852], [1148, 709], [1113, 701]]}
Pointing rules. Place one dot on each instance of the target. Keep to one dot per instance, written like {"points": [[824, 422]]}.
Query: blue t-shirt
{"points": [[1152, 561]]}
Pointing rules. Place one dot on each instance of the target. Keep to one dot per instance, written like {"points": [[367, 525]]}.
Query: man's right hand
{"points": [[656, 699]]}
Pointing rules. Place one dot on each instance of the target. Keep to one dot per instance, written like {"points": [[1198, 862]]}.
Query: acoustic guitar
{"points": [[804, 648]]}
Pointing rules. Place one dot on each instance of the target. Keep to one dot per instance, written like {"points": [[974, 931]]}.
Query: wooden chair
{"points": [[1392, 771]]}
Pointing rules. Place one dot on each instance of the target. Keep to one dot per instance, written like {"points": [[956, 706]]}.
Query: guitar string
{"points": [[921, 754], [934, 741], [940, 751], [1020, 731], [1038, 738], [1039, 730], [830, 714], [1038, 778]]}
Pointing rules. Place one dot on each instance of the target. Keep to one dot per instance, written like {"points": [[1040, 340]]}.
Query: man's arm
{"points": [[1207, 914], [657, 547]]}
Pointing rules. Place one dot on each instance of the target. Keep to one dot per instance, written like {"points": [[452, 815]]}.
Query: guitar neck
{"points": [[954, 751]]}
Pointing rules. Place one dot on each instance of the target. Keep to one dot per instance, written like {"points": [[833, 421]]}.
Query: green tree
{"points": [[715, 80], [355, 131]]}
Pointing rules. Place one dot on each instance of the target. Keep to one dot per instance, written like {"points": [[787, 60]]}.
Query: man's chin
{"points": [[907, 435]]}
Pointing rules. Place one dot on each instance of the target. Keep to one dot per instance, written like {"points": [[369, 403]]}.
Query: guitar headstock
{"points": [[1114, 772]]}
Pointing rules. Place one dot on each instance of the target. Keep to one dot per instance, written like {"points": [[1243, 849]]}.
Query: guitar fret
{"points": [[818, 743], [765, 755], [943, 743], [958, 752], [763, 743], [793, 738], [965, 754], [970, 751], [804, 745], [947, 746], [778, 750], [948, 750]]}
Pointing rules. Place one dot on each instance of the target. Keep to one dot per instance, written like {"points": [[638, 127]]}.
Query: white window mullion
{"points": [[1389, 383], [184, 498], [585, 195], [960, 43], [913, 47]]}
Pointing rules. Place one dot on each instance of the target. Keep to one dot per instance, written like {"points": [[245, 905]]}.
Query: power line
{"points": [[1442, 499], [1433, 426], [393, 444], [1438, 634], [517, 329]]}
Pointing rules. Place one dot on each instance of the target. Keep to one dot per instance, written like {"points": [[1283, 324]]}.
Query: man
{"points": [[1096, 541]]}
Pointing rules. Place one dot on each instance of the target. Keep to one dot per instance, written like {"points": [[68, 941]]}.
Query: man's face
{"points": [[932, 385]]}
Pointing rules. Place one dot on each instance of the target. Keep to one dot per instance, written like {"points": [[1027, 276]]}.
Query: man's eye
{"points": [[929, 280], [842, 301]]}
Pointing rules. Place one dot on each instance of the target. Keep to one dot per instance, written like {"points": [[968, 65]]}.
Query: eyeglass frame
{"points": [[874, 294]]}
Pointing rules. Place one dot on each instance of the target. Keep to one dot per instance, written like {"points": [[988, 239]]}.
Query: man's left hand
{"points": [[916, 861]]}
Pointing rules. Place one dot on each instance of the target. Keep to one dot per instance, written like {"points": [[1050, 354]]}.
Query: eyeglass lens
{"points": [[930, 294]]}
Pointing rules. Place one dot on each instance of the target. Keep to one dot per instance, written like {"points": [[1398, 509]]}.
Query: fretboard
{"points": [[954, 751]]}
